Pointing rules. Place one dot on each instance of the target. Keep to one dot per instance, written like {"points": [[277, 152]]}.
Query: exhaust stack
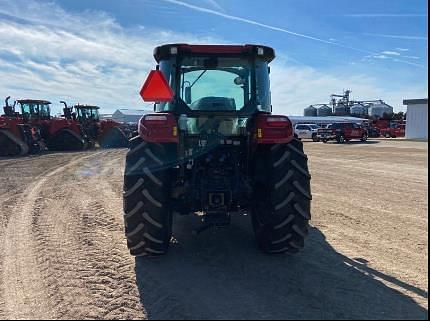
{"points": [[67, 111], [9, 110]]}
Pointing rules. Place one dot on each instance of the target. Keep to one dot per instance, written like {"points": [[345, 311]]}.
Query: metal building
{"points": [[130, 116], [416, 118], [322, 121]]}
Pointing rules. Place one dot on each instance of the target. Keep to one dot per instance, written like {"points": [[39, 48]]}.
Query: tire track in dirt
{"points": [[23, 289], [348, 270], [26, 294], [17, 175], [78, 244]]}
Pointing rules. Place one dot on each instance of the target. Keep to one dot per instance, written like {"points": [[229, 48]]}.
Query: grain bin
{"points": [[310, 111], [341, 110], [324, 111], [378, 110], [359, 110]]}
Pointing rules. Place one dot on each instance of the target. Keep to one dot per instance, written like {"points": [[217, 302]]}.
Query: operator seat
{"points": [[225, 125]]}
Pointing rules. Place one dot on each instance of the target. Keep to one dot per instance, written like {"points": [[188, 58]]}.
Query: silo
{"points": [[310, 111], [341, 110], [324, 111], [378, 110], [358, 110]]}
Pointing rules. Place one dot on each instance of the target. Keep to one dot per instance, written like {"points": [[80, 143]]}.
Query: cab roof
{"points": [[87, 106], [167, 51], [34, 101]]}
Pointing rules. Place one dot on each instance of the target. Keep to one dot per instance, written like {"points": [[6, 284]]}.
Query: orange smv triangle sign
{"points": [[156, 88]]}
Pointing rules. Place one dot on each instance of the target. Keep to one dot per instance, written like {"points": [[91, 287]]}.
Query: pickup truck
{"points": [[342, 132], [306, 131]]}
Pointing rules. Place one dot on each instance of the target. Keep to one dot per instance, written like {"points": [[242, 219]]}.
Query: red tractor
{"points": [[394, 130], [213, 147], [107, 133], [16, 137], [59, 134]]}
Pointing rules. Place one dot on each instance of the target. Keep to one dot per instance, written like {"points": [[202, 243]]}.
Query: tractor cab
{"points": [[33, 110], [87, 113], [217, 88], [108, 133]]}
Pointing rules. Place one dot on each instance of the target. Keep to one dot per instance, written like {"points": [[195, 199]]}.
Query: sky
{"points": [[100, 51]]}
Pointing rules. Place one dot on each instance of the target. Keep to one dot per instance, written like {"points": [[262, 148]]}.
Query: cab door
{"points": [[356, 131], [301, 131], [307, 133]]}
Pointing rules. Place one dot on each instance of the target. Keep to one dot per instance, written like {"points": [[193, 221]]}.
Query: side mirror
{"points": [[188, 98], [239, 81]]}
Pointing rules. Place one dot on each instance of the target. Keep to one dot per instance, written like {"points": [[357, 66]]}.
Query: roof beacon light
{"points": [[260, 51]]}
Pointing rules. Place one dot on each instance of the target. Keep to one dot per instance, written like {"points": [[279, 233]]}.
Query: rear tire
{"points": [[315, 138], [147, 216], [341, 139], [282, 195], [114, 138]]}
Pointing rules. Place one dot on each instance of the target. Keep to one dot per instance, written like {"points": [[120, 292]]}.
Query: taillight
{"points": [[158, 128], [272, 129]]}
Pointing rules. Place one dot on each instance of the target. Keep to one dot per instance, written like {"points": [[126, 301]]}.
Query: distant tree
{"points": [[399, 116], [388, 116]]}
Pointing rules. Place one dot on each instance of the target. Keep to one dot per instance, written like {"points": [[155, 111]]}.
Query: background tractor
{"points": [[16, 137], [59, 134], [213, 147], [107, 133]]}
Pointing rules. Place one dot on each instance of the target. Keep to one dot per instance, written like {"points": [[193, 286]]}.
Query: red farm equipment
{"points": [[213, 147], [17, 138], [107, 133], [58, 134], [390, 128]]}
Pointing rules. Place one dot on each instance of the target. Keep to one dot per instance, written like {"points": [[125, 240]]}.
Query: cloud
{"points": [[215, 5], [380, 57], [244, 20], [305, 86], [85, 58], [396, 36], [391, 53], [411, 57], [90, 58], [278, 29], [385, 15], [402, 49]]}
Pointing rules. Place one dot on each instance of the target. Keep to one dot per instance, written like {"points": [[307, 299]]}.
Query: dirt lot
{"points": [[63, 254]]}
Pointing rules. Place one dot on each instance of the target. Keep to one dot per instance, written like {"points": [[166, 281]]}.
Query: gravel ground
{"points": [[63, 253]]}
